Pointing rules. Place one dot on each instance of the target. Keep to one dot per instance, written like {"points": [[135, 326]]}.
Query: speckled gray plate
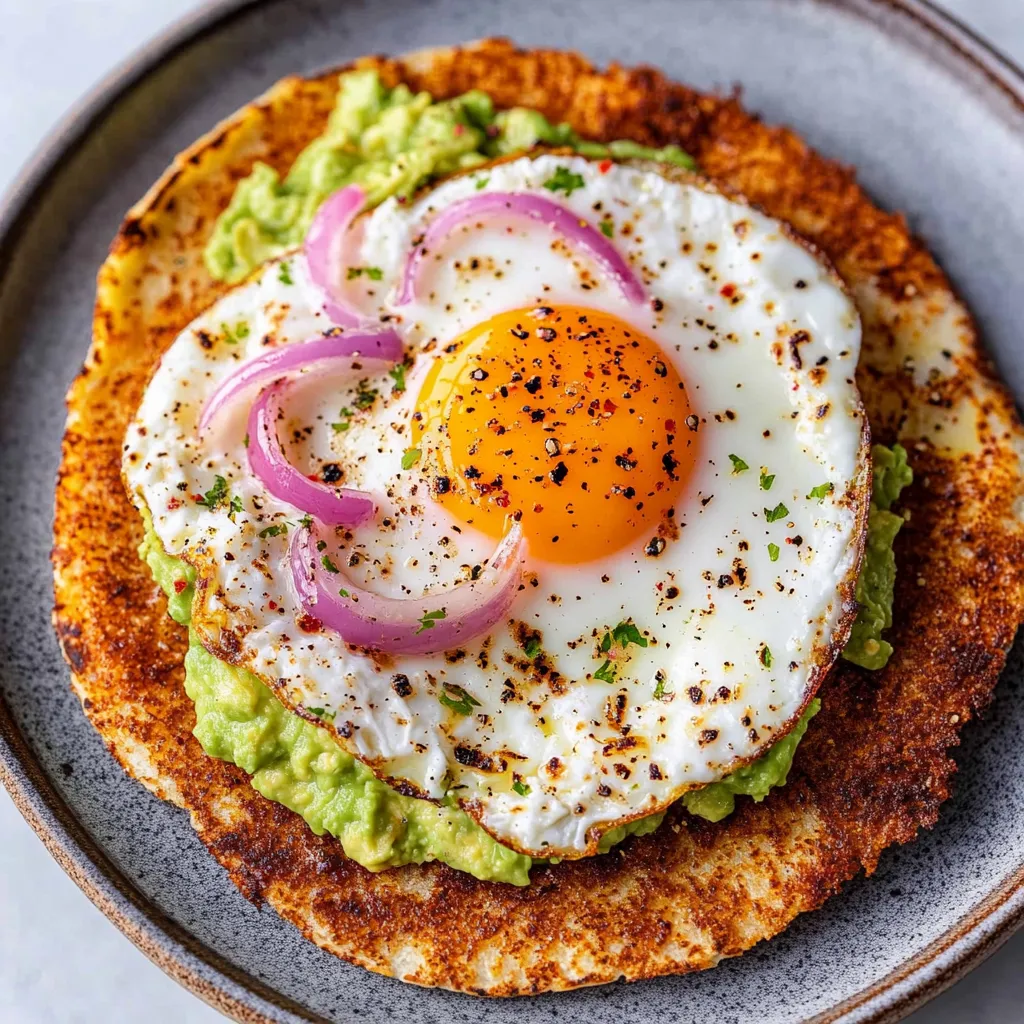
{"points": [[935, 124]]}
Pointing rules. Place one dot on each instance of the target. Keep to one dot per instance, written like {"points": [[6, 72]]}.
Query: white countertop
{"points": [[61, 961]]}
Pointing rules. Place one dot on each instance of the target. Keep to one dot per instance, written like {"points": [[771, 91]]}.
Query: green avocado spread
{"points": [[391, 142], [878, 574]]}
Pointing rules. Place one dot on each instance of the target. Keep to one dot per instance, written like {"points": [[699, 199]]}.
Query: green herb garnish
{"points": [[773, 552], [606, 673], [234, 507], [531, 648], [284, 273], [326, 562], [482, 182], [373, 273], [216, 494], [345, 422], [779, 512], [410, 457], [607, 228], [365, 396], [767, 480], [521, 788], [564, 180], [274, 531], [625, 633], [456, 698], [428, 619], [234, 337], [738, 465], [821, 491], [397, 374], [659, 688], [766, 656]]}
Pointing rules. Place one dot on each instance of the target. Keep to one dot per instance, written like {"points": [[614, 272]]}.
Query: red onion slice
{"points": [[406, 625], [520, 204], [335, 506], [323, 249], [290, 360]]}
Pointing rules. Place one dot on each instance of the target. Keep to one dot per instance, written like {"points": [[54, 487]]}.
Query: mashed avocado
{"points": [[390, 142], [878, 575]]}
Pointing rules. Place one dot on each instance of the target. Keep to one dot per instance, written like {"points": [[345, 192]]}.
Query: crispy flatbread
{"points": [[874, 766]]}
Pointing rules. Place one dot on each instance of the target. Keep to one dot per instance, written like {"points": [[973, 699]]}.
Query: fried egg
{"points": [[690, 476]]}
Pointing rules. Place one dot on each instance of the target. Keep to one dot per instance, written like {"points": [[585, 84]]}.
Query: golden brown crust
{"points": [[874, 766]]}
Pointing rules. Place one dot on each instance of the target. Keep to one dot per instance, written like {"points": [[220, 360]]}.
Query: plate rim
{"points": [[209, 976]]}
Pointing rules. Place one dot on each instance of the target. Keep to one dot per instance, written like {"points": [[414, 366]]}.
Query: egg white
{"points": [[585, 754]]}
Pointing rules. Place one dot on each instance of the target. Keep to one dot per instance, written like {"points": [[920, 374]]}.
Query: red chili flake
{"points": [[173, 504], [604, 166], [313, 476], [502, 500], [538, 508], [272, 605], [728, 291], [670, 426], [198, 498], [609, 406], [180, 585], [588, 373], [459, 129]]}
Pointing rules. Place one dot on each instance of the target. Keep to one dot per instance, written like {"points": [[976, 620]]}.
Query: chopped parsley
{"points": [[274, 531], [531, 648], [216, 494], [767, 480], [607, 228], [456, 698], [321, 545], [345, 422], [284, 273], [606, 643], [659, 687], [410, 457], [779, 512], [319, 712], [738, 465], [427, 621], [625, 633], [365, 396], [564, 180], [606, 673], [397, 374], [766, 656], [326, 562], [234, 507], [521, 788], [821, 492], [233, 337], [306, 522], [342, 592], [773, 552], [373, 273], [482, 182]]}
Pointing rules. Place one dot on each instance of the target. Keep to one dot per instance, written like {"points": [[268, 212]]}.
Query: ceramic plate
{"points": [[933, 122]]}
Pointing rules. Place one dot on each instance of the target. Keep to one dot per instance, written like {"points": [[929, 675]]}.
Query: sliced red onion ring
{"points": [[290, 360], [406, 625], [521, 204], [335, 506], [323, 249]]}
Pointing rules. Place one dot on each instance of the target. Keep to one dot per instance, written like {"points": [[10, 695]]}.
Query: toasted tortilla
{"points": [[874, 766]]}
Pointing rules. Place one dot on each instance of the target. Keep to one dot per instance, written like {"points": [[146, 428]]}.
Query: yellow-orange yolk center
{"points": [[567, 418]]}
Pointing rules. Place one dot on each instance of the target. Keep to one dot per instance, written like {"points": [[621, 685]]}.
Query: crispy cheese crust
{"points": [[874, 766]]}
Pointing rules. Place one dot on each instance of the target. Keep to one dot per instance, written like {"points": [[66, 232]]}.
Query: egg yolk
{"points": [[568, 419]]}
